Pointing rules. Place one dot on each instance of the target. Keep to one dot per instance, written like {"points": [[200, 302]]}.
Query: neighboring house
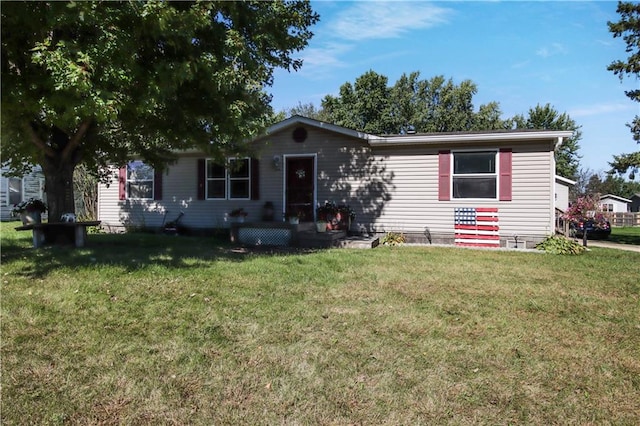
{"points": [[614, 204], [16, 189], [562, 187], [430, 187], [635, 203]]}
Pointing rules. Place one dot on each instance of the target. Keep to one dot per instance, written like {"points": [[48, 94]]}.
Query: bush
{"points": [[557, 244], [393, 239]]}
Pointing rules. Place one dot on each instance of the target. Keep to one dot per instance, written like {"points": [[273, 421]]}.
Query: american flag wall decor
{"points": [[476, 227]]}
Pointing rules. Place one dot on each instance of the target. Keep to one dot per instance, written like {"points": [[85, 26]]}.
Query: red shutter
{"points": [[122, 183], [157, 185], [444, 175], [201, 178], [255, 179], [506, 174]]}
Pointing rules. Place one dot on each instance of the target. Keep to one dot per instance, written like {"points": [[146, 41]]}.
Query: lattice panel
{"points": [[264, 236]]}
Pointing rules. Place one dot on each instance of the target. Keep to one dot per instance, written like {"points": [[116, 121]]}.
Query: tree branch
{"points": [[48, 151], [74, 141]]}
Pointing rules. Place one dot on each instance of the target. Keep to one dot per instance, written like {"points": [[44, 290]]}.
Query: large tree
{"points": [[96, 82], [362, 106], [547, 118], [628, 27], [411, 104]]}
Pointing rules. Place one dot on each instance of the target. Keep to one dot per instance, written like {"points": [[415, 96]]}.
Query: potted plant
{"points": [[321, 225], [30, 211], [267, 211], [238, 214], [337, 216], [294, 217]]}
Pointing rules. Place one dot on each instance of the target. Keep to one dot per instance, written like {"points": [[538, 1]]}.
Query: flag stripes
{"points": [[476, 227]]}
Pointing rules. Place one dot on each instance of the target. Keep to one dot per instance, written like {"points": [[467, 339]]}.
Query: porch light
{"points": [[276, 162]]}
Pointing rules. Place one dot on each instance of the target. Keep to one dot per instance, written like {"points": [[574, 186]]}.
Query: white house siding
{"points": [[414, 207], [32, 187], [619, 204], [561, 196]]}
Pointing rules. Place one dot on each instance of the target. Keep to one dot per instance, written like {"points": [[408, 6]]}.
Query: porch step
{"points": [[314, 239], [359, 242]]}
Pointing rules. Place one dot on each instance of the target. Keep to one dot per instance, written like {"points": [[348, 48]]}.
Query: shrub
{"points": [[393, 239], [557, 244]]}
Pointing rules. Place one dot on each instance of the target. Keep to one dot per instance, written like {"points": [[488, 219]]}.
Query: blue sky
{"points": [[519, 54]]}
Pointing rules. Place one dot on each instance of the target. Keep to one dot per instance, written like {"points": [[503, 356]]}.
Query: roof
{"points": [[427, 138], [564, 180], [615, 197]]}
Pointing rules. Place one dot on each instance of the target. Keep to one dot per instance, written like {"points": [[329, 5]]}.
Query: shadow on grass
{"points": [[129, 252], [627, 235]]}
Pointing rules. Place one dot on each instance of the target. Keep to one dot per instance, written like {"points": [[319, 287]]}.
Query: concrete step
{"points": [[314, 239], [359, 242]]}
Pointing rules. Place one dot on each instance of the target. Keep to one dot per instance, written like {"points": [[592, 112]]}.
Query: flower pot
{"points": [[294, 220], [29, 218], [239, 219], [321, 226]]}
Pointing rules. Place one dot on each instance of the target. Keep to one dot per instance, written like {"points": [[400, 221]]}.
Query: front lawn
{"points": [[625, 235], [153, 329]]}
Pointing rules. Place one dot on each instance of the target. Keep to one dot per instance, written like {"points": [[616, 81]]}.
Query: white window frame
{"points": [[129, 181], [8, 202], [495, 174], [228, 179]]}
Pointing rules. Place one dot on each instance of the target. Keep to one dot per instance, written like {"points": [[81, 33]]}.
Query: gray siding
{"points": [[32, 187], [390, 188], [413, 206]]}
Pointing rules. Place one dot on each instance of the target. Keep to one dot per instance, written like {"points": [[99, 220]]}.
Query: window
{"points": [[474, 174], [216, 181], [607, 207], [15, 191], [239, 178], [232, 182], [139, 181]]}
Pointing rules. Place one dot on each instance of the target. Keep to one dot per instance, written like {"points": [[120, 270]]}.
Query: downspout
{"points": [[559, 141]]}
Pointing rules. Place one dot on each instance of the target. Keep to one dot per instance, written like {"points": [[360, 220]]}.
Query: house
{"points": [[16, 189], [471, 188], [614, 204], [562, 187], [635, 203]]}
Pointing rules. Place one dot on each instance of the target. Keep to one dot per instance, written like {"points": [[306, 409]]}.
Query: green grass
{"points": [[625, 235], [151, 329]]}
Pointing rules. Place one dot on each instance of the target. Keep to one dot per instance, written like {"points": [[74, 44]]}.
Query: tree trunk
{"points": [[58, 178]]}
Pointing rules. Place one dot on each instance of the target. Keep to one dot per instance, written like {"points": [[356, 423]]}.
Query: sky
{"points": [[518, 53]]}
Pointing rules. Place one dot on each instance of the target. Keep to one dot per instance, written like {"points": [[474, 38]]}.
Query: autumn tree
{"points": [[96, 82], [628, 27], [548, 118]]}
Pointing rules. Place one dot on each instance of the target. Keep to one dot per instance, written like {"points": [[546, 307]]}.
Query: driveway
{"points": [[609, 244]]}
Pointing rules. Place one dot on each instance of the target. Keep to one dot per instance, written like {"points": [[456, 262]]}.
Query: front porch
{"points": [[303, 235]]}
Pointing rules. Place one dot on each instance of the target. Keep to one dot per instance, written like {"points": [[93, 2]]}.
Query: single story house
{"points": [[562, 187], [442, 187], [16, 189], [614, 204], [635, 203]]}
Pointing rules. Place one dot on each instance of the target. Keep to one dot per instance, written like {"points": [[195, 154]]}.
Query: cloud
{"points": [[599, 109], [317, 61], [380, 20], [554, 49]]}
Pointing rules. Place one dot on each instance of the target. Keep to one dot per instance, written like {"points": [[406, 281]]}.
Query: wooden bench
{"points": [[59, 232]]}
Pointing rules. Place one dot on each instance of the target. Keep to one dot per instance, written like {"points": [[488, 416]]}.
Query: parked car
{"points": [[596, 229]]}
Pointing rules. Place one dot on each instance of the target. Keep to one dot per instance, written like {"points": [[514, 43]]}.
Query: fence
{"points": [[616, 219], [624, 219]]}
